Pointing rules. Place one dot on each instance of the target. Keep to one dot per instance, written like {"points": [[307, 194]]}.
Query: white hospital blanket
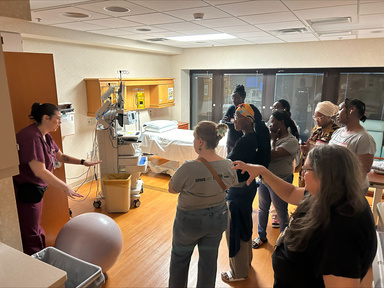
{"points": [[175, 145]]}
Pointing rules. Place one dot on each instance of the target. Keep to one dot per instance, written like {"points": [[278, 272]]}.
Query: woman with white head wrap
{"points": [[322, 132]]}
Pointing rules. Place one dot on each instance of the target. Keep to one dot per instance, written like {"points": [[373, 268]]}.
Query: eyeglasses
{"points": [[318, 118], [305, 170]]}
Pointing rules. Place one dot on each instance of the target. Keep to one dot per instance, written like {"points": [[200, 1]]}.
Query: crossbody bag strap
{"points": [[213, 172]]}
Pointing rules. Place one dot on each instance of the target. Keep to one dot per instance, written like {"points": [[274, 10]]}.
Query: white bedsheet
{"points": [[175, 145]]}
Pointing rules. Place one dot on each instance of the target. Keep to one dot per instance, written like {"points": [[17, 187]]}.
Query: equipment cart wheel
{"points": [[136, 203], [97, 204]]}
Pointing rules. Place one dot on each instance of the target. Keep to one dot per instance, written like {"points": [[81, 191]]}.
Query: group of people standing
{"points": [[332, 225]]}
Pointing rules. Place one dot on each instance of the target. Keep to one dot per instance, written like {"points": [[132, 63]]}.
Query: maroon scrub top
{"points": [[33, 147]]}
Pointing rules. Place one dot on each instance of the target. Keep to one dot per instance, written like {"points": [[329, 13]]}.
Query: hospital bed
{"points": [[174, 144]]}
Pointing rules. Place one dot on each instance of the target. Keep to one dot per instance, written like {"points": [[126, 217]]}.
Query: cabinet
{"points": [[155, 92], [183, 125]]}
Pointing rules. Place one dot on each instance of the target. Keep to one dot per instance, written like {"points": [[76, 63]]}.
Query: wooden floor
{"points": [[147, 235]]}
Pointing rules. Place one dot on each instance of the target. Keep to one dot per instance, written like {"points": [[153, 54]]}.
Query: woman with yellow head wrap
{"points": [[252, 147]]}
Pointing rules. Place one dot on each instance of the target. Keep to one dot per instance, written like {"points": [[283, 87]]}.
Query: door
{"points": [[31, 78]]}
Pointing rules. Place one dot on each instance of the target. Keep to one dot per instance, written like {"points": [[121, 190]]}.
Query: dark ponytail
{"points": [[359, 105], [39, 110], [288, 122]]}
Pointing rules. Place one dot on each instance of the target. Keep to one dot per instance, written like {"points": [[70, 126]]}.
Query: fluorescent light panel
{"points": [[205, 37], [335, 33]]}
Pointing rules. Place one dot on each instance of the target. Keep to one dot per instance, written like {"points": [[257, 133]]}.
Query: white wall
{"points": [[343, 53], [73, 63]]}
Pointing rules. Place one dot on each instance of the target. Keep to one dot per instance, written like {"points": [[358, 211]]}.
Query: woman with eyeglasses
{"points": [[321, 133], [354, 136], [284, 147], [252, 147], [330, 240]]}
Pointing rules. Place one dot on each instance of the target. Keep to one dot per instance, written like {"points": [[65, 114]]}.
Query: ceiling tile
{"points": [[297, 37], [109, 32], [363, 36], [113, 22], [370, 31], [344, 37], [55, 16], [269, 18], [251, 34], [372, 8], [222, 22], [281, 25], [81, 26], [329, 12], [202, 31], [221, 2], [99, 7], [153, 18], [376, 20], [238, 29], [41, 4], [300, 4], [162, 6], [235, 41], [253, 7], [209, 13], [134, 29], [265, 40], [179, 26]]}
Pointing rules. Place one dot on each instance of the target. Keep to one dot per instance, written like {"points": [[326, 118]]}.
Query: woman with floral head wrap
{"points": [[253, 146], [321, 133], [202, 213]]}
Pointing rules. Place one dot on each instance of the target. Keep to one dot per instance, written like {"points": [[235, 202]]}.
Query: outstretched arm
{"points": [[38, 168], [72, 160], [286, 191]]}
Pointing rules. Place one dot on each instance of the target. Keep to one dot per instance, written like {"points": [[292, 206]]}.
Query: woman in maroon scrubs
{"points": [[38, 156]]}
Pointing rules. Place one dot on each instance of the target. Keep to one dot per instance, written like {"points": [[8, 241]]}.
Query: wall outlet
{"points": [[91, 121], [89, 155]]}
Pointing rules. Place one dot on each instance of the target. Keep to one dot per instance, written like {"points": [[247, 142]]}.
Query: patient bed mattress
{"points": [[175, 145]]}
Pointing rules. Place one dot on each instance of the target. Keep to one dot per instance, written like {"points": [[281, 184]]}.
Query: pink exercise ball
{"points": [[92, 237]]}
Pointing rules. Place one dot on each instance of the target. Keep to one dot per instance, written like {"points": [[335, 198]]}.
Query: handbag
{"points": [[213, 172], [30, 193]]}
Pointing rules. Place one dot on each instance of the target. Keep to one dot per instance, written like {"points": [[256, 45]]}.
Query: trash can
{"points": [[117, 192], [79, 273]]}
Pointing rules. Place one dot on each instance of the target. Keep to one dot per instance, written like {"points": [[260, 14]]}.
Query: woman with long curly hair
{"points": [[331, 237]]}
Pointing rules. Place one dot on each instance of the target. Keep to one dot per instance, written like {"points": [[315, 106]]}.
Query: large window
{"points": [[303, 88], [368, 87], [303, 91]]}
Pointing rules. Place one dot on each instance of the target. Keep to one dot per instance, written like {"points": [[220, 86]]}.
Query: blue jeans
{"points": [[266, 196], [203, 228]]}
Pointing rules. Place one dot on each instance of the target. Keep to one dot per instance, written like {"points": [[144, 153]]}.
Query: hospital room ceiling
{"points": [[243, 22]]}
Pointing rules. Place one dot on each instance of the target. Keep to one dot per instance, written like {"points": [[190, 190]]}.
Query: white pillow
{"points": [[160, 125]]}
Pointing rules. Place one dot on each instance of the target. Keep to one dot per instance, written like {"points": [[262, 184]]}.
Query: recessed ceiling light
{"points": [[335, 33], [333, 20], [143, 29], [292, 30], [156, 39], [74, 15], [201, 37], [116, 9]]}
